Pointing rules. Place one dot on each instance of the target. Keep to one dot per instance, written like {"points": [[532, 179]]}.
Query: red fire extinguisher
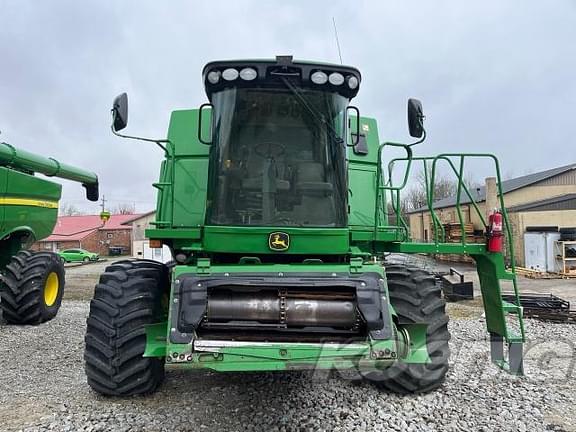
{"points": [[495, 234]]}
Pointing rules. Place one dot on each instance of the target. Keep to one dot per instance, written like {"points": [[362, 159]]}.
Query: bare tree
{"points": [[417, 196], [67, 209], [124, 209]]}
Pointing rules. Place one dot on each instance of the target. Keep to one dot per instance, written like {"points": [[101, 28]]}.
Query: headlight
{"points": [[319, 77], [230, 74], [248, 74], [352, 82], [214, 77], [336, 78]]}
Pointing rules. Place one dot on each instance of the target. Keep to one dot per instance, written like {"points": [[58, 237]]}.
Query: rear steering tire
{"points": [[128, 297], [31, 288], [417, 299]]}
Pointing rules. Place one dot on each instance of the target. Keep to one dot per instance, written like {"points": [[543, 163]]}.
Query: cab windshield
{"points": [[278, 158]]}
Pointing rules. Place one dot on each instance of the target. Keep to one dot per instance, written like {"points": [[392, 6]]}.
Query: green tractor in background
{"points": [[32, 283], [273, 199]]}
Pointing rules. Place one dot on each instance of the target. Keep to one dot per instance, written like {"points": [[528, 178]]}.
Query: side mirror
{"points": [[120, 112], [415, 118]]}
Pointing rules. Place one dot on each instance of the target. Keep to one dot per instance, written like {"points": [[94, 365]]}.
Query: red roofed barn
{"points": [[88, 232]]}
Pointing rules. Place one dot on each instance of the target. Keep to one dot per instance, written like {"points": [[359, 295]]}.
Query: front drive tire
{"points": [[127, 298], [31, 288], [417, 299]]}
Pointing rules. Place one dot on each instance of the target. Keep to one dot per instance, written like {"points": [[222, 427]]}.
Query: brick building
{"points": [[87, 232]]}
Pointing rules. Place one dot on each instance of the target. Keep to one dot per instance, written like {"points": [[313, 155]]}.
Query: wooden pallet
{"points": [[454, 234], [533, 274]]}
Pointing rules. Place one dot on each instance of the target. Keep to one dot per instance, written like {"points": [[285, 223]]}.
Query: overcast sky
{"points": [[494, 76]]}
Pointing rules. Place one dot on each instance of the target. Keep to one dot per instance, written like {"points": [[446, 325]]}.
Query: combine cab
{"points": [[31, 283], [273, 201]]}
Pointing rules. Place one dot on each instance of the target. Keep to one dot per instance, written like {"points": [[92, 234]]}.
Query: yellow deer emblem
{"points": [[279, 241]]}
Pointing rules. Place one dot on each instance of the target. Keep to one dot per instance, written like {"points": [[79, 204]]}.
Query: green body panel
{"points": [[31, 216], [254, 240], [362, 179], [190, 170], [29, 204], [189, 178], [3, 188], [301, 356], [181, 202], [252, 356]]}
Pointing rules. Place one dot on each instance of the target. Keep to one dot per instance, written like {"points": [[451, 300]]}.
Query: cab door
{"points": [[183, 204], [362, 167]]}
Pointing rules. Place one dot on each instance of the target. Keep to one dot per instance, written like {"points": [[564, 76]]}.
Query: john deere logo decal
{"points": [[278, 241]]}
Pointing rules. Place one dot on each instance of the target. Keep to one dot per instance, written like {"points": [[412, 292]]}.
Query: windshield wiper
{"points": [[313, 111]]}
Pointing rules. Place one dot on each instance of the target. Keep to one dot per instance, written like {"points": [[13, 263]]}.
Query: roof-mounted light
{"points": [[230, 74], [214, 77], [336, 78], [352, 82], [319, 78], [248, 74]]}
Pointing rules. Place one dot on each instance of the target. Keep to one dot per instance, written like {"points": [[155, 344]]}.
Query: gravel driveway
{"points": [[43, 387]]}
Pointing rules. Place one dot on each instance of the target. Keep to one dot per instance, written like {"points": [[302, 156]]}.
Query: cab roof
{"points": [[270, 71]]}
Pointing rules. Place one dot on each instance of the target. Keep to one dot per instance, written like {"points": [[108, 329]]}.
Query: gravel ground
{"points": [[42, 387]]}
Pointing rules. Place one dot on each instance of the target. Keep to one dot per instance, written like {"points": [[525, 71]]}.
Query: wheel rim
{"points": [[51, 289]]}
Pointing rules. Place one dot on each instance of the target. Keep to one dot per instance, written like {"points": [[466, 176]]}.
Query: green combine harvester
{"points": [[273, 200], [32, 283]]}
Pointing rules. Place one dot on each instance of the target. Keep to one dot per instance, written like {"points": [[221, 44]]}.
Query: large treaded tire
{"points": [[127, 298], [417, 299], [23, 286]]}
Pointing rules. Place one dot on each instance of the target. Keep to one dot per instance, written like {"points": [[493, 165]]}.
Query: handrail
{"points": [[429, 180], [508, 230], [437, 224], [377, 208], [443, 156]]}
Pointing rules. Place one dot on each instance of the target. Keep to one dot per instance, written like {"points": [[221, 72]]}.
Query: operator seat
{"points": [[310, 180], [317, 201], [255, 167]]}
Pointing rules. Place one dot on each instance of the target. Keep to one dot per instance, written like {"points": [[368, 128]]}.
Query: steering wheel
{"points": [[269, 150]]}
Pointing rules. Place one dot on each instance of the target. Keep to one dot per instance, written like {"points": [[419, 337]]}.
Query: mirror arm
{"points": [[406, 147], [421, 140], [158, 142]]}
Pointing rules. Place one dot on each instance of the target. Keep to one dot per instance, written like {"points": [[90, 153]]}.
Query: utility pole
{"points": [[103, 205]]}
